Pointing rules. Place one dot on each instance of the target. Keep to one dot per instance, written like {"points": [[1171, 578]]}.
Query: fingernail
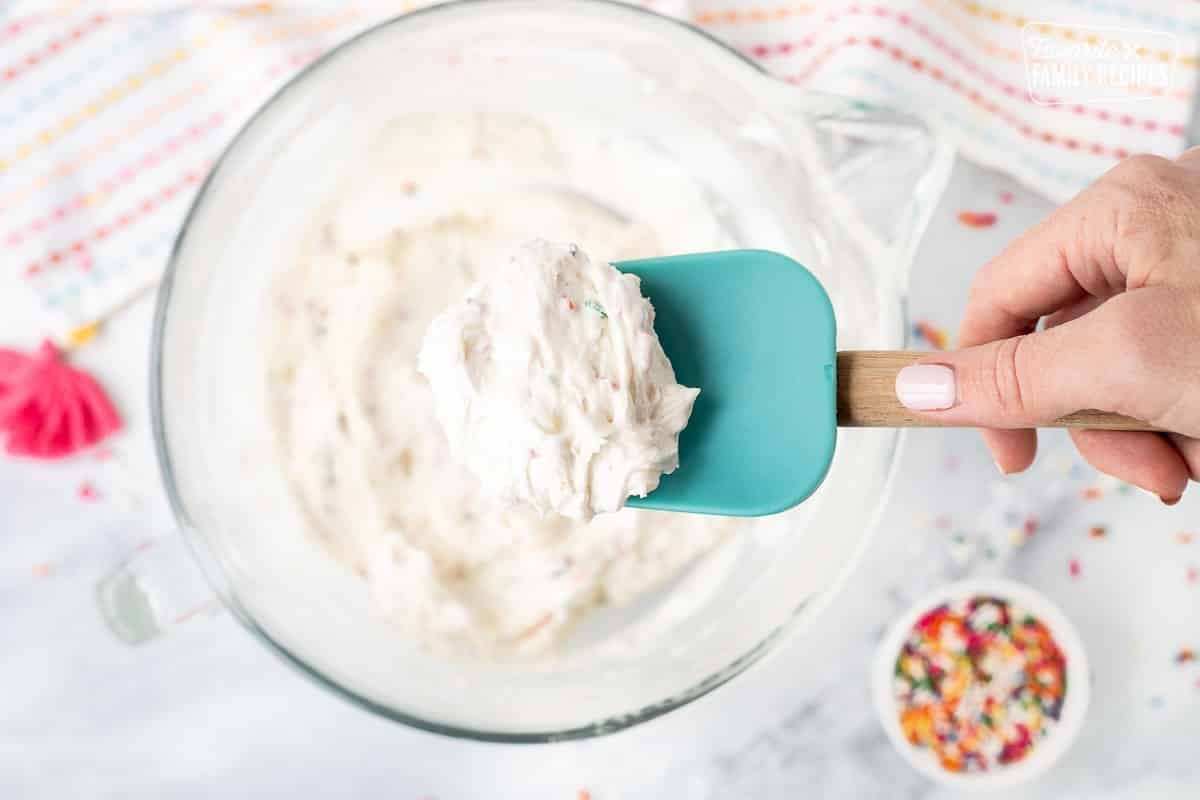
{"points": [[1000, 468], [926, 387], [1171, 501]]}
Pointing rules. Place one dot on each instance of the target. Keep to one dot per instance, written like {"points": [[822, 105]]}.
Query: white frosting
{"points": [[551, 384], [439, 204]]}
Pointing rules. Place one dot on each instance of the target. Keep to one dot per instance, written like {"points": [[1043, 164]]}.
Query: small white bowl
{"points": [[1047, 751]]}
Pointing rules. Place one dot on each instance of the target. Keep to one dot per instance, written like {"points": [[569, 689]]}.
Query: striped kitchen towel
{"points": [[112, 113]]}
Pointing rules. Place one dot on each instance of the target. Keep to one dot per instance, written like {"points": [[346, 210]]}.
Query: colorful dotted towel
{"points": [[1052, 92], [112, 113]]}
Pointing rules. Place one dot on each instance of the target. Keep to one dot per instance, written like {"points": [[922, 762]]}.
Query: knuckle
{"points": [[1141, 169], [1007, 386], [1149, 183], [1155, 202], [1190, 154]]}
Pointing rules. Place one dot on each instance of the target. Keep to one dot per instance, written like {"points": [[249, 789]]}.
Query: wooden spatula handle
{"points": [[866, 396]]}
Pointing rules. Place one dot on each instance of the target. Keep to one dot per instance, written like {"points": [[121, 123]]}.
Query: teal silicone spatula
{"points": [[756, 332]]}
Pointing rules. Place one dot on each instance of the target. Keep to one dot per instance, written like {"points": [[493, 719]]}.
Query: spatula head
{"points": [[755, 331]]}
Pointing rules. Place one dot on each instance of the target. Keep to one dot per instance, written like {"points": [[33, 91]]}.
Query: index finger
{"points": [[1056, 263]]}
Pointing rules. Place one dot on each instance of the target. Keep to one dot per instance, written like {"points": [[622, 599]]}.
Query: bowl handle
{"points": [[883, 171], [155, 588]]}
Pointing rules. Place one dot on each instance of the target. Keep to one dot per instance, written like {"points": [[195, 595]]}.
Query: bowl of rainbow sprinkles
{"points": [[981, 684]]}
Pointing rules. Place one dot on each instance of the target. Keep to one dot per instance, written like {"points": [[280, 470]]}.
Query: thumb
{"points": [[1031, 380]]}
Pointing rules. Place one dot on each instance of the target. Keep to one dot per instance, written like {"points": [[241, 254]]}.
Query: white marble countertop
{"points": [[207, 712]]}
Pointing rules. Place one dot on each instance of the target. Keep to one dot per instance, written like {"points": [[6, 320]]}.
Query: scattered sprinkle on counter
{"points": [[979, 682], [936, 337], [977, 219]]}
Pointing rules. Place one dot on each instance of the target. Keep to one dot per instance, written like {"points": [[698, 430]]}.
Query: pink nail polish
{"points": [[926, 387]]}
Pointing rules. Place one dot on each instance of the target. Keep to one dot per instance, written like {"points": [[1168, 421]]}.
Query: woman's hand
{"points": [[1114, 278]]}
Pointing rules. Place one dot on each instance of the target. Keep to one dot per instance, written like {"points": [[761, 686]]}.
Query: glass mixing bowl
{"points": [[842, 187]]}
